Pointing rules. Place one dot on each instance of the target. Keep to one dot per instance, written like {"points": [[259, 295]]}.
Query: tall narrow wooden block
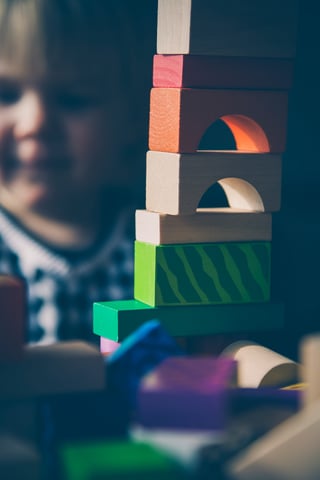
{"points": [[200, 274], [176, 182], [236, 28], [207, 71], [118, 319], [180, 117], [13, 316], [206, 225]]}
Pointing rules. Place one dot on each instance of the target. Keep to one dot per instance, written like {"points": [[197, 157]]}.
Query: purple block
{"points": [[187, 393]]}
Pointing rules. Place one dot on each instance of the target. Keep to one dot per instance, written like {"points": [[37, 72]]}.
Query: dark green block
{"points": [[202, 273], [118, 319], [113, 461]]}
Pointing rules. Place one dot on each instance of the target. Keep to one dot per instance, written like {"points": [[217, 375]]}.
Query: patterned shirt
{"points": [[62, 287]]}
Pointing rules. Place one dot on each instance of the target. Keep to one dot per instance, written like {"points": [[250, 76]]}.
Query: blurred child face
{"points": [[60, 136]]}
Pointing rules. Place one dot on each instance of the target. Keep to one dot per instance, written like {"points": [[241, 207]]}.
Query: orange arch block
{"points": [[179, 117]]}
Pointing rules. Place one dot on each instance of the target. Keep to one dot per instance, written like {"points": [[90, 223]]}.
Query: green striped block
{"points": [[202, 273], [118, 319]]}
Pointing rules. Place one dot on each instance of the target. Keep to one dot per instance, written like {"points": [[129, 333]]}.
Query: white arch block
{"points": [[176, 182], [206, 225]]}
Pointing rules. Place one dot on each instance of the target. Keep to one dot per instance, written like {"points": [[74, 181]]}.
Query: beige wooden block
{"points": [[288, 452], [310, 371], [234, 28], [259, 366], [64, 367], [206, 225], [19, 460], [176, 182]]}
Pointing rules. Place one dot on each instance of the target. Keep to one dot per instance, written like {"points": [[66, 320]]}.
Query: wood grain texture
{"points": [[180, 117], [118, 319], [206, 225], [206, 71], [233, 28], [202, 273], [176, 182]]}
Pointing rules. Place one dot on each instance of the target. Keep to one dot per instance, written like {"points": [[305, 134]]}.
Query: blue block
{"points": [[137, 355]]}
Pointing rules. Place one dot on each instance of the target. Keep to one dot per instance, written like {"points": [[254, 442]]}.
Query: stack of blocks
{"points": [[207, 271]]}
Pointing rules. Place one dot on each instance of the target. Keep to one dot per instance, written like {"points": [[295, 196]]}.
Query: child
{"points": [[71, 121]]}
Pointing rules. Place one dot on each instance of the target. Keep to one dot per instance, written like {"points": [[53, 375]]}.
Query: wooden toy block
{"points": [[118, 319], [186, 393], [202, 273], [310, 358], [235, 28], [288, 451], [138, 354], [19, 460], [206, 71], [206, 225], [121, 460], [179, 117], [60, 368], [12, 316], [259, 366], [176, 182], [108, 346]]}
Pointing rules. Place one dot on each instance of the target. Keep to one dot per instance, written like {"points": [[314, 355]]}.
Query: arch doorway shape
{"points": [[241, 194], [234, 132], [179, 117], [176, 182]]}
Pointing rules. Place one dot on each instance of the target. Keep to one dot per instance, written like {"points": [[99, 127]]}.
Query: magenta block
{"points": [[187, 393]]}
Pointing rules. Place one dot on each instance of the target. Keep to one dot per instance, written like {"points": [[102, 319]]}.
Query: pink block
{"points": [[108, 346]]}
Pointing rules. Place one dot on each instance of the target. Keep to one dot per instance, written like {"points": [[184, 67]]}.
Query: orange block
{"points": [[12, 316], [180, 117], [208, 71]]}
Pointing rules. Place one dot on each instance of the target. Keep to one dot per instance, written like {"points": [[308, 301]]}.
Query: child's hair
{"points": [[45, 33], [83, 36]]}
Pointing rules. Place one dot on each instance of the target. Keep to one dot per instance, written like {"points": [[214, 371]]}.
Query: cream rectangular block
{"points": [[176, 182], [64, 367], [234, 28], [206, 225]]}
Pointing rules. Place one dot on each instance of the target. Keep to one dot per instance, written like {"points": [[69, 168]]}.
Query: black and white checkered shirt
{"points": [[62, 288]]}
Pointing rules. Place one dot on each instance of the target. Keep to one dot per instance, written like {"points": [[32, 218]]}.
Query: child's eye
{"points": [[9, 95], [74, 102]]}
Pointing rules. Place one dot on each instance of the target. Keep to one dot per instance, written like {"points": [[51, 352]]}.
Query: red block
{"points": [[12, 316], [179, 117], [207, 71]]}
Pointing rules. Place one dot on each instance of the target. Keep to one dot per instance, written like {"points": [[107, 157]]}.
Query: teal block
{"points": [[202, 273], [118, 319]]}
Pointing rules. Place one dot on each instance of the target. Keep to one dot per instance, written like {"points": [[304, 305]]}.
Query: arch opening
{"points": [[234, 132], [237, 194]]}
